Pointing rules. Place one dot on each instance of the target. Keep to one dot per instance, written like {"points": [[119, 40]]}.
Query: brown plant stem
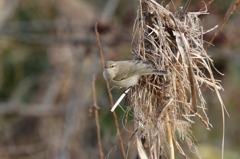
{"points": [[170, 138], [200, 117], [228, 14], [206, 5], [96, 108], [110, 94]]}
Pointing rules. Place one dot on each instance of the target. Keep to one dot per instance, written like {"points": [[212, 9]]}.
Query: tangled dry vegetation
{"points": [[163, 106]]}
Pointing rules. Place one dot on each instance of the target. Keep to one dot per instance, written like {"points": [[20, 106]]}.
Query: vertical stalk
{"points": [[170, 138]]}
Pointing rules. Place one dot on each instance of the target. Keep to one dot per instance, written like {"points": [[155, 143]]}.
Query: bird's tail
{"points": [[154, 71], [160, 72]]}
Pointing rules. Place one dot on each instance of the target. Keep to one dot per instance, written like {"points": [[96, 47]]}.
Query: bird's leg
{"points": [[112, 88]]}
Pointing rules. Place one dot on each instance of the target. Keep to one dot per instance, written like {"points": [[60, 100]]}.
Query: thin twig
{"points": [[129, 141], [200, 117], [228, 14], [96, 108], [179, 148], [110, 95], [186, 6], [204, 8]]}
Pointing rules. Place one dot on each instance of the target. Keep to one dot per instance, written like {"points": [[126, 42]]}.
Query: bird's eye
{"points": [[111, 66]]}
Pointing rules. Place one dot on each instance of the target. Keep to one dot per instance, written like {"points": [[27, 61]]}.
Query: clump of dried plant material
{"points": [[164, 106]]}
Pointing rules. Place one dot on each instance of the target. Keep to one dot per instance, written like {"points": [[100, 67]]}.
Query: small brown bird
{"points": [[127, 73]]}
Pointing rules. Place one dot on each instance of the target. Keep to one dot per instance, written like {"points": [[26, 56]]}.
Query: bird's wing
{"points": [[126, 69]]}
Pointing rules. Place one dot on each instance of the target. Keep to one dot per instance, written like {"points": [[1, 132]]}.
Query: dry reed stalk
{"points": [[164, 105]]}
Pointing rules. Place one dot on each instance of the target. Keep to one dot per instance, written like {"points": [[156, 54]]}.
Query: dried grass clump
{"points": [[164, 105]]}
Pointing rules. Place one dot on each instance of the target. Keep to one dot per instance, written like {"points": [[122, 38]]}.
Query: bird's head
{"points": [[111, 69]]}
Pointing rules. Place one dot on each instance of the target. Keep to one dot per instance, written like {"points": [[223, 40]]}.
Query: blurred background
{"points": [[49, 54]]}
